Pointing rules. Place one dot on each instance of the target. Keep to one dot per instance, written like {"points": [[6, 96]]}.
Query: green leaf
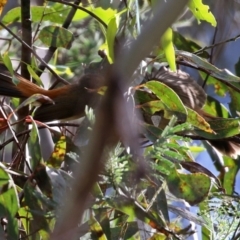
{"points": [[151, 132], [168, 97], [220, 88], [54, 36], [229, 177], [34, 75], [198, 121], [222, 74], [96, 229], [35, 100], [111, 33], [104, 14], [9, 203], [52, 13], [213, 107], [25, 217], [42, 179], [168, 48], [193, 188], [202, 12], [62, 70], [223, 128], [7, 62], [34, 147], [185, 44], [235, 99], [153, 106], [38, 225], [133, 210]]}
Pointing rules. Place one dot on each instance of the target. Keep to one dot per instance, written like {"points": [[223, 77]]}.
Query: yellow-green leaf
{"points": [[198, 121], [168, 48], [202, 12], [58, 154]]}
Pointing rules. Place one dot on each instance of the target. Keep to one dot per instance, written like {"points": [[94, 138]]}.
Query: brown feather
{"points": [[193, 96], [69, 100]]}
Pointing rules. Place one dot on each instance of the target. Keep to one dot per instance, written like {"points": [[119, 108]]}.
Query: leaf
{"points": [[220, 88], [168, 97], [34, 147], [7, 62], [185, 44], [96, 229], [9, 203], [52, 13], [133, 210], [193, 188], [25, 217], [235, 99], [62, 70], [194, 167], [111, 33], [229, 177], [153, 106], [58, 154], [202, 12], [42, 179], [223, 74], [34, 75], [104, 14], [198, 121], [54, 36], [38, 224], [35, 100], [152, 133], [213, 107], [223, 128], [168, 48]]}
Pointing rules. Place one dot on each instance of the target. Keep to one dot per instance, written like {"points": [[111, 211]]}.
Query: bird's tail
{"points": [[16, 86]]}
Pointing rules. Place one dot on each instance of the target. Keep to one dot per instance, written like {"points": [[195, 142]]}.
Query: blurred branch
{"points": [[113, 119]]}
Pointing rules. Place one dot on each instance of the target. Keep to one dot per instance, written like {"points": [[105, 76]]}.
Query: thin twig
{"points": [[217, 44], [84, 10], [211, 55]]}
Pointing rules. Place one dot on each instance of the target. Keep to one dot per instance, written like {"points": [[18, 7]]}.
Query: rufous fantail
{"points": [[69, 100]]}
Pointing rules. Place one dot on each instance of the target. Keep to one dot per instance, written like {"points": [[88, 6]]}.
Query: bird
{"points": [[194, 97], [68, 101]]}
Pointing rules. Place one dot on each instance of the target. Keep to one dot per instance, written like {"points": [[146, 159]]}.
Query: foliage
{"points": [[134, 194]]}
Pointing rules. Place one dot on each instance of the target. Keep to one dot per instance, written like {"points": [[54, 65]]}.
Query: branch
{"points": [[26, 37], [114, 120], [217, 44]]}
